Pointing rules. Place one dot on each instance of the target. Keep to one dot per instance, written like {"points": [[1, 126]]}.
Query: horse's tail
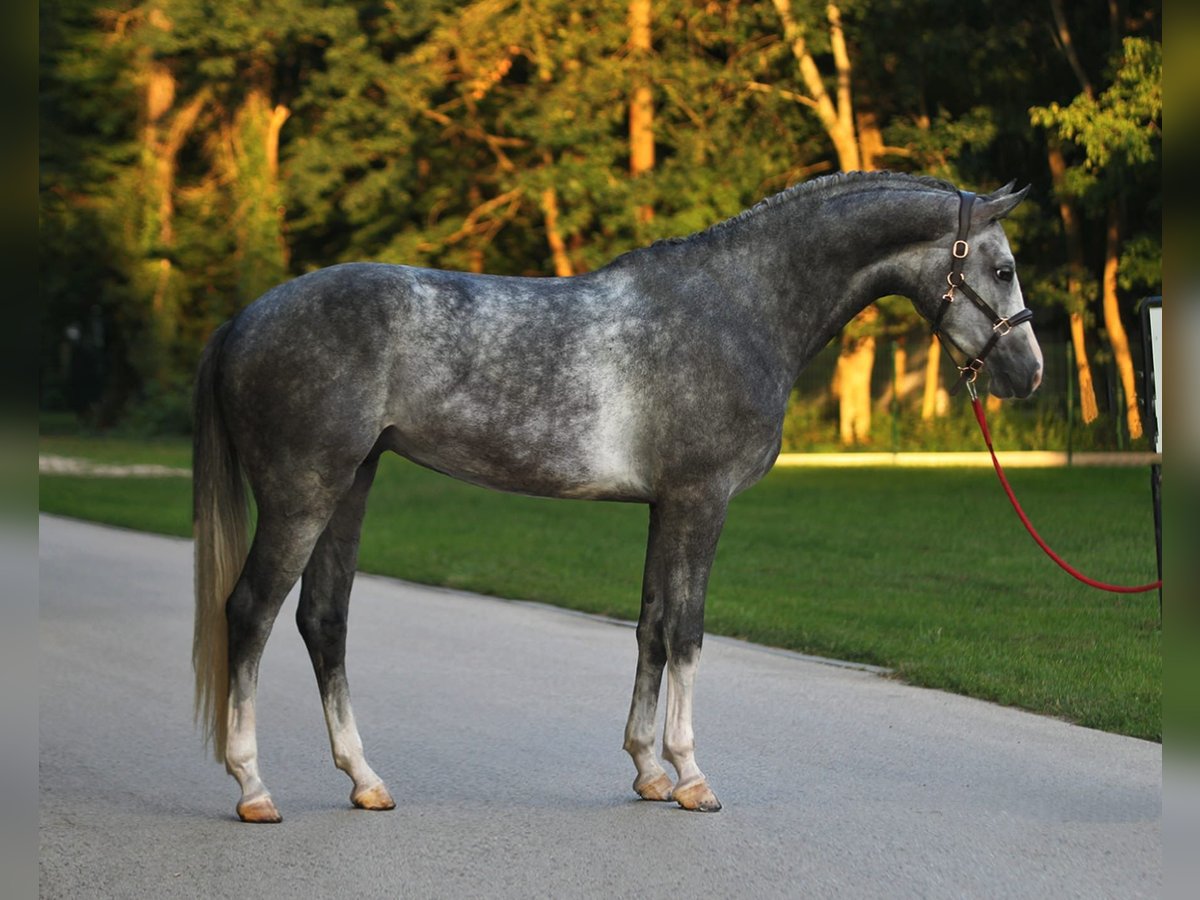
{"points": [[220, 525]]}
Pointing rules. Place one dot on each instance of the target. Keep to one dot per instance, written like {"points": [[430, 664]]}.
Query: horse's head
{"points": [[975, 296]]}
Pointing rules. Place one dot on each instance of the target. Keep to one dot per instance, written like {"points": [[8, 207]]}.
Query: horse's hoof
{"points": [[697, 797], [258, 809], [654, 787], [376, 798]]}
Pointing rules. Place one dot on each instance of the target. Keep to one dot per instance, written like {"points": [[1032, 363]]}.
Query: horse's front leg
{"points": [[683, 542], [652, 782]]}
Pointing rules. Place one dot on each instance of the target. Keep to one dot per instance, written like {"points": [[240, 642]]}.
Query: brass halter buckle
{"points": [[1002, 327]]}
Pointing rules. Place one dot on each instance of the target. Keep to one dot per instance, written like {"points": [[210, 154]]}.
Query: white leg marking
{"points": [[241, 761], [652, 781], [241, 747], [692, 790], [679, 741], [347, 745], [369, 791]]}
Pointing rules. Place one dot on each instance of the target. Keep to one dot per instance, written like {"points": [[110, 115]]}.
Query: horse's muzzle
{"points": [[1006, 386]]}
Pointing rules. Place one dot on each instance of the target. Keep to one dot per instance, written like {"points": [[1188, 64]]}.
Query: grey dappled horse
{"points": [[661, 378]]}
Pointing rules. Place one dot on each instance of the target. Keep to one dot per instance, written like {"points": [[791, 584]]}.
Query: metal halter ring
{"points": [[960, 254], [975, 366]]}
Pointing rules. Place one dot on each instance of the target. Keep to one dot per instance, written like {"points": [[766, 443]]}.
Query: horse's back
{"points": [[518, 383]]}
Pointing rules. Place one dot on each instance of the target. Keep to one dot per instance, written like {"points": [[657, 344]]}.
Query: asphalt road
{"points": [[498, 726]]}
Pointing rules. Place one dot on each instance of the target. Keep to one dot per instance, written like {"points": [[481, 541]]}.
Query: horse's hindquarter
{"points": [[303, 378]]}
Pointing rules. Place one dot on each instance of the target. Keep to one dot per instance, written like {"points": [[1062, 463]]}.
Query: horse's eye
{"points": [[1004, 274]]}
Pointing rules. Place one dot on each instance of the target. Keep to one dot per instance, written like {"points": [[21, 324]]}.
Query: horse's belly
{"points": [[551, 452]]}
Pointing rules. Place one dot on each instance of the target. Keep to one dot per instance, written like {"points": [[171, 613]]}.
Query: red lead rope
{"points": [[1067, 567]]}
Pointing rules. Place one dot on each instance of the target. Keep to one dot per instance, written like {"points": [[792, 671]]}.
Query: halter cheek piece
{"points": [[958, 282]]}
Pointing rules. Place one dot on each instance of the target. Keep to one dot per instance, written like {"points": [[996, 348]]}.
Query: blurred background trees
{"points": [[196, 152]]}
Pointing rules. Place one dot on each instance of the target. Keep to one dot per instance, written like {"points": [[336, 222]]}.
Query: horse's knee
{"points": [[650, 642], [683, 644]]}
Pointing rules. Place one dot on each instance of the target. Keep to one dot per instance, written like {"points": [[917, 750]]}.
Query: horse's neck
{"points": [[823, 260]]}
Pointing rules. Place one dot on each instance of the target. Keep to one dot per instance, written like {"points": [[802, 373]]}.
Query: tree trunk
{"points": [[900, 368], [558, 249], [870, 139], [838, 120], [854, 152], [933, 381], [641, 103], [253, 163], [165, 149], [853, 377], [854, 388], [1083, 370], [1112, 322], [1076, 266], [849, 148], [1067, 45], [1076, 261], [855, 364], [163, 134]]}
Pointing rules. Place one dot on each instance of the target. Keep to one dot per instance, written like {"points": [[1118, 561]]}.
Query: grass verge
{"points": [[926, 572]]}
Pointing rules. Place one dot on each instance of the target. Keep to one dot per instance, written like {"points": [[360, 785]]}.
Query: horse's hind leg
{"points": [[281, 547], [321, 617]]}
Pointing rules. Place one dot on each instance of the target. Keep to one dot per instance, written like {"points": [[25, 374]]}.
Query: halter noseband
{"points": [[957, 282]]}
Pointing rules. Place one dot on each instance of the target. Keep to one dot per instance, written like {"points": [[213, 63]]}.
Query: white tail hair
{"points": [[220, 526]]}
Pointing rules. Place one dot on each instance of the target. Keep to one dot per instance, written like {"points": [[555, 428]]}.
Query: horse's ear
{"points": [[998, 204], [1003, 191]]}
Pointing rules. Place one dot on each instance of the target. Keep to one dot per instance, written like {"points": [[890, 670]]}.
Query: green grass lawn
{"points": [[926, 572]]}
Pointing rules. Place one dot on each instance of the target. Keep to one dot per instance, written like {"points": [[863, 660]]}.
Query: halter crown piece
{"points": [[957, 282]]}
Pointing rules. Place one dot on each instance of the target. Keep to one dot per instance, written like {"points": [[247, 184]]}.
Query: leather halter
{"points": [[958, 282]]}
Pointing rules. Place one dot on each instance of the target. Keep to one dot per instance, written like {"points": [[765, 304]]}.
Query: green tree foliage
{"points": [[195, 152], [1120, 128], [1116, 137]]}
